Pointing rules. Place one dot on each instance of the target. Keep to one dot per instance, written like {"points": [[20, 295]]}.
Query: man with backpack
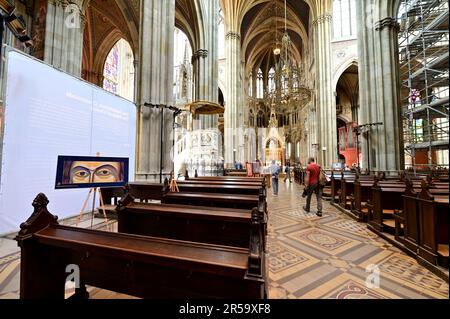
{"points": [[312, 185]]}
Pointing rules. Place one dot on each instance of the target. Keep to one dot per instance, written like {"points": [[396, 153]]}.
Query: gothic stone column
{"points": [[326, 108], [64, 35], [382, 147], [205, 63], [233, 122], [202, 87], [155, 88]]}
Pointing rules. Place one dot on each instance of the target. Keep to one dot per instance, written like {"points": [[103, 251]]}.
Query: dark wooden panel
{"points": [[223, 227]]}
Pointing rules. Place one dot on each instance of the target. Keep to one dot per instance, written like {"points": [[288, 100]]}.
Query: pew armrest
{"points": [[399, 222], [352, 201], [369, 207]]}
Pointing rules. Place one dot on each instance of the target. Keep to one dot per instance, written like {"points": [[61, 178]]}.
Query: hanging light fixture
{"points": [[291, 90], [277, 49]]}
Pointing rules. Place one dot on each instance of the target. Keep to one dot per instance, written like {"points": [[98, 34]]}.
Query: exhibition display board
{"points": [[48, 113]]}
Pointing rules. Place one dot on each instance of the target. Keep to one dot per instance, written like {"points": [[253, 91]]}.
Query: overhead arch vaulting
{"points": [[106, 23], [188, 19]]}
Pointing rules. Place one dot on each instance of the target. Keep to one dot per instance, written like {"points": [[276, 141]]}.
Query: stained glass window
{"points": [[260, 85], [272, 80], [118, 70], [111, 71]]}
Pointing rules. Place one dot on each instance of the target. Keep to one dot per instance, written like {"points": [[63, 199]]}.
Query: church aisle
{"points": [[313, 257]]}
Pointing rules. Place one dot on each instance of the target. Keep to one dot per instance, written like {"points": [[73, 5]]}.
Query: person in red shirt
{"points": [[312, 186]]}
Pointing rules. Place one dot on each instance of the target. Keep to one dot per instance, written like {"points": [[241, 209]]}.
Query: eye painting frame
{"points": [[114, 172]]}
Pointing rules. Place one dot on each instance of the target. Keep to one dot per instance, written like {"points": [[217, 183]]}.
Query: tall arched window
{"points": [[260, 119], [182, 73], [251, 119], [118, 71], [344, 19], [260, 85], [272, 80]]}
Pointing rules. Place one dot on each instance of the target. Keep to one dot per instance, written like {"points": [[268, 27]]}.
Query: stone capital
{"points": [[202, 53], [387, 22], [65, 3], [322, 19], [232, 35]]}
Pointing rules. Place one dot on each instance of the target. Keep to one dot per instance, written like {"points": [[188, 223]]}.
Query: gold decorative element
{"points": [[205, 108]]}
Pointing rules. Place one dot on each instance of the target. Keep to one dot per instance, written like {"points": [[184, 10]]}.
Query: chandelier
{"points": [[289, 90]]}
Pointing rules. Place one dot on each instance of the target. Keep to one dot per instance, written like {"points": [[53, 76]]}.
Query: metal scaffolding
{"points": [[424, 72]]}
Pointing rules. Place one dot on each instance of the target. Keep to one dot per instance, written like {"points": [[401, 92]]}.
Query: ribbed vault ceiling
{"points": [[264, 23]]}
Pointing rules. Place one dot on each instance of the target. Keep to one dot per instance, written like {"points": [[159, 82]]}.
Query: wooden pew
{"points": [[326, 191], [351, 196], [235, 172], [336, 185], [217, 200], [207, 199], [229, 227], [145, 192], [387, 200], [346, 198], [433, 227], [362, 196], [411, 213], [298, 175], [229, 179], [111, 197], [264, 178], [246, 189], [146, 267], [362, 191], [409, 218], [224, 182]]}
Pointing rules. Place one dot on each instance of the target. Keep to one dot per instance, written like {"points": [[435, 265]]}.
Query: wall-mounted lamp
{"points": [[15, 23]]}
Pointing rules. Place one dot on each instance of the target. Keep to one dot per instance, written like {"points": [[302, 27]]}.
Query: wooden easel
{"points": [[173, 186], [102, 205]]}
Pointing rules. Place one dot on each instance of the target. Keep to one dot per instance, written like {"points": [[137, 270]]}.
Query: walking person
{"points": [[287, 170], [312, 186], [275, 172]]}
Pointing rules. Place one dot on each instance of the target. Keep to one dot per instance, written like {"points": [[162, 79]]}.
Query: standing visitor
{"points": [[257, 169], [287, 170], [312, 186], [274, 171]]}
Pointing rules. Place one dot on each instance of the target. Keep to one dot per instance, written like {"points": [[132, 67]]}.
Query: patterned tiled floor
{"points": [[308, 257], [333, 256]]}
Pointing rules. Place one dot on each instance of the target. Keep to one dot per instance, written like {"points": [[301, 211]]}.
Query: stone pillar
{"points": [[155, 88], [233, 121], [64, 35], [200, 85], [326, 108], [382, 146], [254, 78], [205, 64]]}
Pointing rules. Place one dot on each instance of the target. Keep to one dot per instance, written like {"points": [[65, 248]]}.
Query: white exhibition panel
{"points": [[50, 113]]}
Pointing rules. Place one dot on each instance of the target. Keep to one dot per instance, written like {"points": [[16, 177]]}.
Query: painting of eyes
{"points": [[80, 175], [91, 172]]}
